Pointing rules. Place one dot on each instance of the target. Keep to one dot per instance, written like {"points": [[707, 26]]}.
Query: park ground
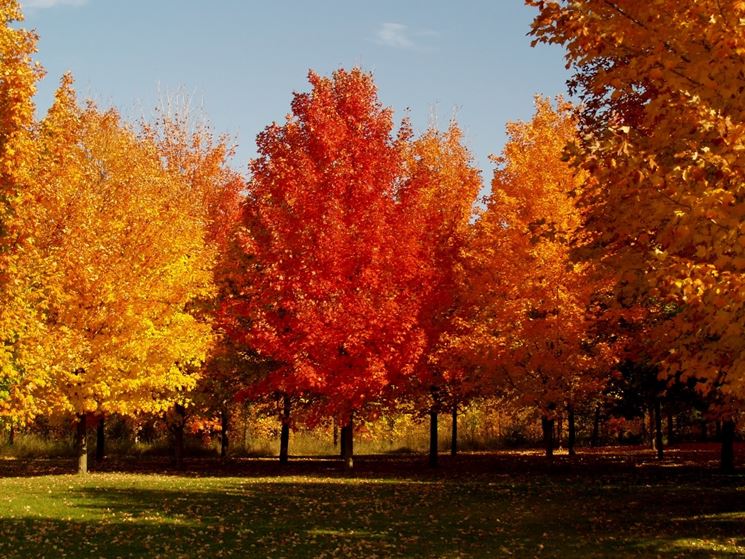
{"points": [[615, 502]]}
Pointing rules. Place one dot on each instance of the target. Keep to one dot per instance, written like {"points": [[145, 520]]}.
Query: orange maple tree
{"points": [[530, 321]]}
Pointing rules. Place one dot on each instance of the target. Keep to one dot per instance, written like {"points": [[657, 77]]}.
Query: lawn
{"points": [[475, 506]]}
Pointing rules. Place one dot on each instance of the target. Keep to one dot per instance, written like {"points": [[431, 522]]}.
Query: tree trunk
{"points": [[343, 442], [81, 443], [548, 435], [100, 439], [348, 444], [728, 446], [595, 439], [244, 421], [559, 421], [658, 428], [179, 413], [454, 433], [704, 436], [224, 433], [670, 428], [718, 430], [433, 442], [651, 428], [572, 434], [336, 434], [284, 438], [643, 433], [12, 434]]}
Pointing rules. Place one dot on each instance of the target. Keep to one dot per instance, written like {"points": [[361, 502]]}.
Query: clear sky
{"points": [[240, 60]]}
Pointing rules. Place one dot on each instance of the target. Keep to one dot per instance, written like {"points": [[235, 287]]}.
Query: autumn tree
{"points": [[191, 151], [663, 124], [533, 317], [438, 198], [328, 290], [121, 258], [18, 318]]}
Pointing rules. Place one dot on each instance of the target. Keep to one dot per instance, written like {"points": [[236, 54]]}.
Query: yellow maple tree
{"points": [[119, 260], [18, 77], [191, 151]]}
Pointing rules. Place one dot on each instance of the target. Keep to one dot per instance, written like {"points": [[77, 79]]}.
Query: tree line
{"points": [[354, 268]]}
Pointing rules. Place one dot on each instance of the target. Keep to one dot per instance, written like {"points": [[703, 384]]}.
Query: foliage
{"points": [[438, 195], [18, 76], [329, 290], [663, 124], [119, 257], [530, 318]]}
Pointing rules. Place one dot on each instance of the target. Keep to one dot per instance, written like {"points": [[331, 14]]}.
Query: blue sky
{"points": [[240, 61]]}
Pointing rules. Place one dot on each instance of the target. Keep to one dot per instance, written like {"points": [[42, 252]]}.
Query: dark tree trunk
{"points": [[284, 438], [81, 443], [704, 436], [595, 438], [336, 434], [559, 421], [343, 442], [643, 433], [572, 434], [548, 435], [670, 428], [178, 434], [244, 421], [100, 439], [433, 443], [224, 433], [658, 428], [12, 435], [454, 433], [391, 431], [728, 446], [348, 445], [718, 430]]}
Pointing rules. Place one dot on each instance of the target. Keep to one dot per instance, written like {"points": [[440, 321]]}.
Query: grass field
{"points": [[488, 505]]}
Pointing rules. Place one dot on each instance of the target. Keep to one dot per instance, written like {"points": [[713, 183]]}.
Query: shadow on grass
{"points": [[133, 516], [700, 461]]}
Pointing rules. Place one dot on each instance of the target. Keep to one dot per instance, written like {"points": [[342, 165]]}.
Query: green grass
{"points": [[478, 506]]}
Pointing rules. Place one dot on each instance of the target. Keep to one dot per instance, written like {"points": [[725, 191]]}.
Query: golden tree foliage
{"points": [[119, 259], [190, 149], [530, 323], [17, 88], [18, 76], [664, 122]]}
